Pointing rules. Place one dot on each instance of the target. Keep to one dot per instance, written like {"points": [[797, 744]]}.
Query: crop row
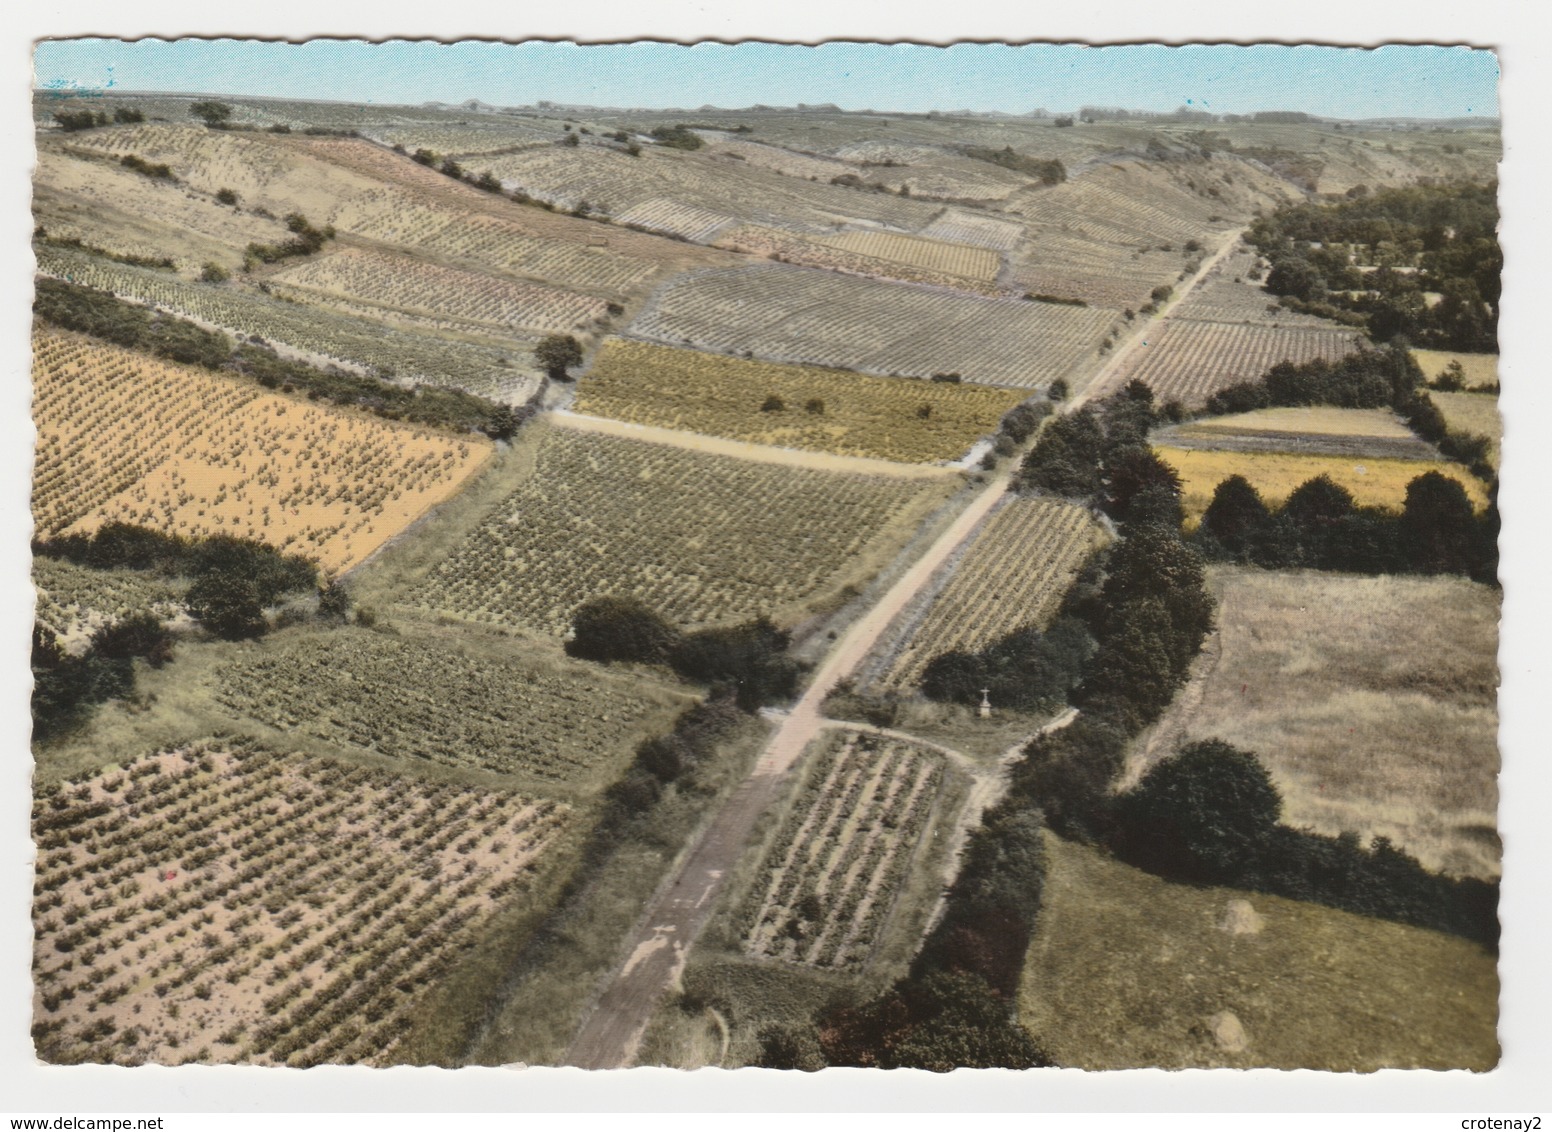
{"points": [[423, 701], [613, 182], [130, 438], [504, 245], [829, 880], [824, 410], [700, 537], [819, 251], [676, 218], [959, 227], [1188, 360], [413, 285], [1014, 575], [505, 373], [220, 903], [932, 254], [789, 314]]}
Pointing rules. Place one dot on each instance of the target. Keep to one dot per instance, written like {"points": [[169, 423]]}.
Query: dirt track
{"points": [[659, 947], [661, 943]]}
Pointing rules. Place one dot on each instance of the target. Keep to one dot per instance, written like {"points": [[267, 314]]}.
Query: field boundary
{"points": [[745, 450]]}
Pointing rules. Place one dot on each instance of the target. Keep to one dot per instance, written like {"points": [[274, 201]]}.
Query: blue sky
{"points": [[1330, 81]]}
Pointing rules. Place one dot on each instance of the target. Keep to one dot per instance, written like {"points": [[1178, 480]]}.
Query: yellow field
{"points": [[669, 387], [1130, 971], [1481, 369], [1473, 413], [127, 437], [1318, 420], [935, 255], [1373, 483]]}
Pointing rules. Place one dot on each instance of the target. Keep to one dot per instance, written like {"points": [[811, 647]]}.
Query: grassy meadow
{"points": [[1130, 971], [1370, 700]]}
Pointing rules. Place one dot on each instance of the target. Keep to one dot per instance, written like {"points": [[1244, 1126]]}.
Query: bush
{"points": [[1199, 814], [773, 404], [614, 628], [213, 273], [556, 354], [228, 605]]}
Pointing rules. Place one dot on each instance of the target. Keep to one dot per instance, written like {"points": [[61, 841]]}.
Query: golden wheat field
{"points": [[122, 436], [825, 410], [1373, 482], [1130, 971], [1370, 700]]}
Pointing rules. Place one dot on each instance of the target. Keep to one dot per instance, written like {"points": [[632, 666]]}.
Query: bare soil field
{"points": [[1129, 971], [122, 436], [1370, 700]]}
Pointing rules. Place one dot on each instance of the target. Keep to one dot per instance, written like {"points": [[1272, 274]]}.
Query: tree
{"points": [[138, 635], [213, 114], [941, 1022], [750, 658], [1200, 814], [1132, 478], [1237, 518], [1439, 529], [613, 628], [228, 605], [557, 353], [227, 196], [334, 602]]}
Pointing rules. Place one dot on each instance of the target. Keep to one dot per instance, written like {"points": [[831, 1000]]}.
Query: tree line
{"points": [[1367, 379], [1439, 239], [103, 315]]}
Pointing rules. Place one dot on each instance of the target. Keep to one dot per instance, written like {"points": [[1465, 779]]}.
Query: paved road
{"points": [[660, 945], [611, 1033]]}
